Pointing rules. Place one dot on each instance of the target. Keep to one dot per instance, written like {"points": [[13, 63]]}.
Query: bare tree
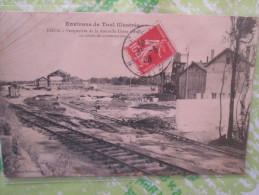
{"points": [[220, 99], [242, 120], [241, 35]]}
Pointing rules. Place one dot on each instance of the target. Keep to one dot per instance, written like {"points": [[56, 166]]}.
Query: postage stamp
{"points": [[150, 49]]}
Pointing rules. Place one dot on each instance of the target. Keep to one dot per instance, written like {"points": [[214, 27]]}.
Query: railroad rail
{"points": [[117, 158], [170, 136]]}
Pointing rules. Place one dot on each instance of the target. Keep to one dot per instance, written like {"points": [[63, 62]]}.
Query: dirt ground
{"points": [[28, 153]]}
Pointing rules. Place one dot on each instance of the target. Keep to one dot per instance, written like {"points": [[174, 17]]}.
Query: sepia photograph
{"points": [[102, 94]]}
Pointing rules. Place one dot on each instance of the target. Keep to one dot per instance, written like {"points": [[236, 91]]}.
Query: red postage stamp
{"points": [[150, 49]]}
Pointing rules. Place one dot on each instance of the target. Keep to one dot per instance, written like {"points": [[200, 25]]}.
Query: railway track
{"points": [[119, 159], [170, 136]]}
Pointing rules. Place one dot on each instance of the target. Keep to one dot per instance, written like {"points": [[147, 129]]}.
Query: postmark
{"points": [[147, 50]]}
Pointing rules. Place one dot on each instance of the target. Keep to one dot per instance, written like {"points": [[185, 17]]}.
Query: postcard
{"points": [[98, 94]]}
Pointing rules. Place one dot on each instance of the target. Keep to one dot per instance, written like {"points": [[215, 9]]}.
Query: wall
{"points": [[215, 77], [197, 115], [196, 82]]}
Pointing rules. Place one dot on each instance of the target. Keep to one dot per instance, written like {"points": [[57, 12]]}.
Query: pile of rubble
{"points": [[45, 103], [150, 123]]}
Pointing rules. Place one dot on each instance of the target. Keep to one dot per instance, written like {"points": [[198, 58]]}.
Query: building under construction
{"points": [[59, 80]]}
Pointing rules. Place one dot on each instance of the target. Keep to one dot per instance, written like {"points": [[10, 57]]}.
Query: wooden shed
{"points": [[14, 91], [195, 75]]}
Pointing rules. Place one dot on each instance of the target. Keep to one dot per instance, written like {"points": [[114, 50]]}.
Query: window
{"points": [[214, 95], [228, 60]]}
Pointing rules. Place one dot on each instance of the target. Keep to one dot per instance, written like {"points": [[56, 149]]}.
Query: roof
{"points": [[59, 72], [222, 53], [75, 78], [14, 86], [41, 78], [200, 65]]}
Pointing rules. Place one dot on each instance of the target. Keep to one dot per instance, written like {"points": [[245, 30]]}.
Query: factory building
{"points": [[59, 80], [209, 79]]}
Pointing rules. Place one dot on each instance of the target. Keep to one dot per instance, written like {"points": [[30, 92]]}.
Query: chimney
{"points": [[212, 54], [247, 52], [207, 59]]}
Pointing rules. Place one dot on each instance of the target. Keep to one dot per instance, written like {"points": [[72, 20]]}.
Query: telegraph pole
{"points": [[186, 86]]}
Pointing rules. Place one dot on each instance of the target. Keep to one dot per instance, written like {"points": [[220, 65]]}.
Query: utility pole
{"points": [[186, 86], [162, 80]]}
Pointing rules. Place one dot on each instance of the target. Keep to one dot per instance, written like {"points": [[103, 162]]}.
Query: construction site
{"points": [[81, 106], [121, 129]]}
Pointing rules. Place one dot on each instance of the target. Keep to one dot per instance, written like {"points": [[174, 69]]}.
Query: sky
{"points": [[29, 51]]}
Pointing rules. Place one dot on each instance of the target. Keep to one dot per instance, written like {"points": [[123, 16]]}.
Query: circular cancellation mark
{"points": [[147, 51]]}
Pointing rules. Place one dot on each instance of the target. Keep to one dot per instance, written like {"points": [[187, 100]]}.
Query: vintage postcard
{"points": [[98, 94]]}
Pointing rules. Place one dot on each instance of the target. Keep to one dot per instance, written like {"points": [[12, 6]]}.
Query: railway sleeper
{"points": [[94, 144], [103, 147], [87, 144], [129, 154], [109, 149], [65, 132], [148, 165], [118, 152], [63, 140], [85, 141], [76, 137], [138, 162], [77, 133], [131, 157]]}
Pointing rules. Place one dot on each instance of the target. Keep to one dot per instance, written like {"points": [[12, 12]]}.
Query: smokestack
{"points": [[212, 54], [247, 52], [207, 59]]}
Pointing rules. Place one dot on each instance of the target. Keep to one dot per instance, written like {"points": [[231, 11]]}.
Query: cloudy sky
{"points": [[28, 51]]}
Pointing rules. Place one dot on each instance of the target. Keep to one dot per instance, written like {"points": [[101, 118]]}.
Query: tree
{"points": [[240, 36]]}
